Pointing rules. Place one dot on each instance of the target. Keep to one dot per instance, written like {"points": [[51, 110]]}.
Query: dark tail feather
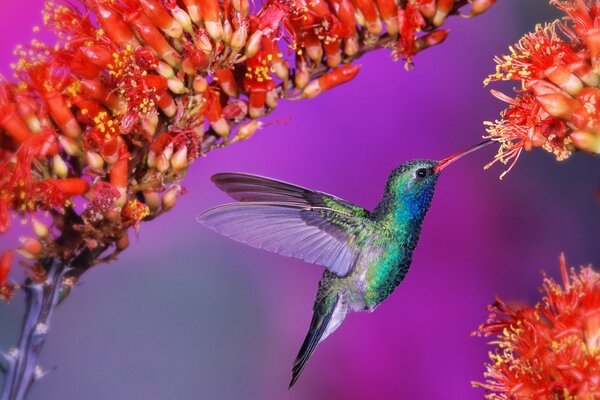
{"points": [[321, 318]]}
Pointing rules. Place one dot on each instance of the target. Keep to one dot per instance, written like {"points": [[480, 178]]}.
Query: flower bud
{"points": [[123, 242], [563, 78], [227, 32], [302, 76], [558, 105], [248, 129], [150, 122], [351, 46], [40, 229], [239, 37], [165, 70], [221, 127], [69, 145], [59, 166], [179, 160], [163, 162], [30, 248], [281, 70], [200, 84], [94, 160], [152, 200], [315, 52], [272, 97], [177, 86], [480, 6], [215, 29], [253, 44], [183, 18], [170, 197], [586, 141]]}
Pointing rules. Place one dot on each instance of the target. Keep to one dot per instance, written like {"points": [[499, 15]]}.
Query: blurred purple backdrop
{"points": [[187, 314]]}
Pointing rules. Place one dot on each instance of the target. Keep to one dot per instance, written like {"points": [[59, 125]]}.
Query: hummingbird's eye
{"points": [[422, 173]]}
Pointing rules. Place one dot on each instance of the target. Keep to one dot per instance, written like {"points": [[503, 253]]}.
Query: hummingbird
{"points": [[366, 254]]}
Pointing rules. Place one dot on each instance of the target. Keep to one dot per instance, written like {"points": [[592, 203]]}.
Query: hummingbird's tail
{"points": [[328, 314]]}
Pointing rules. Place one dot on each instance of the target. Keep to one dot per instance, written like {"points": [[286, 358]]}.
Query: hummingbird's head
{"points": [[410, 185], [413, 183]]}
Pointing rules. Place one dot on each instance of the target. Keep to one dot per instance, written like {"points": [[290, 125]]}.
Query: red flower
{"points": [[551, 350], [558, 68]]}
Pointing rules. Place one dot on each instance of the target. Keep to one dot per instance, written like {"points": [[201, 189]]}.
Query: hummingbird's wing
{"points": [[254, 188], [291, 221]]}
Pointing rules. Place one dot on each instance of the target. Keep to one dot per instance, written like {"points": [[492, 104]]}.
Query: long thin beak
{"points": [[449, 160]]}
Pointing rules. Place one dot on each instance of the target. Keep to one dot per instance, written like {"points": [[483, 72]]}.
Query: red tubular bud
{"points": [[563, 78], [592, 41], [586, 141], [369, 12], [96, 90], [13, 124], [70, 186], [427, 8], [334, 57], [30, 246], [480, 6], [330, 80], [161, 18], [227, 82], [388, 10], [212, 20], [345, 12], [118, 174], [118, 178], [558, 105], [153, 38], [442, 10], [193, 8], [27, 109], [167, 105], [113, 24], [98, 55], [431, 39], [63, 116]]}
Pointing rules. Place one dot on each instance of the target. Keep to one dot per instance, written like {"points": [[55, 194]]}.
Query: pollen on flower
{"points": [[557, 68], [549, 350], [134, 212]]}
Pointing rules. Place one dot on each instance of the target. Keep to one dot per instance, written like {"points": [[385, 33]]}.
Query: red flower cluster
{"points": [[549, 351], [99, 129], [558, 66]]}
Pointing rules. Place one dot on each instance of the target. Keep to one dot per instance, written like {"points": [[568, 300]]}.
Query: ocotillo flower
{"points": [[558, 67], [135, 90], [550, 350]]}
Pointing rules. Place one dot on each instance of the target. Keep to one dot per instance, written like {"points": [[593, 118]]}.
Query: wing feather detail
{"points": [[291, 230]]}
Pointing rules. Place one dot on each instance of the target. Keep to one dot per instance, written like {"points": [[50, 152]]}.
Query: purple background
{"points": [[187, 314]]}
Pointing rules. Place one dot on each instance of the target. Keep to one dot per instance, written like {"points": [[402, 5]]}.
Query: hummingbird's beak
{"points": [[449, 160]]}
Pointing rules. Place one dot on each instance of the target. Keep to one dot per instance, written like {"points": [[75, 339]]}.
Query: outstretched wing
{"points": [[254, 188], [289, 220]]}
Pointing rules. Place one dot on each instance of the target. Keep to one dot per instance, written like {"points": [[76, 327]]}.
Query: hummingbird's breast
{"points": [[383, 264], [387, 268]]}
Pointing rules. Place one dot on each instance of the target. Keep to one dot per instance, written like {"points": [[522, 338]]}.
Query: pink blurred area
{"points": [[186, 314]]}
